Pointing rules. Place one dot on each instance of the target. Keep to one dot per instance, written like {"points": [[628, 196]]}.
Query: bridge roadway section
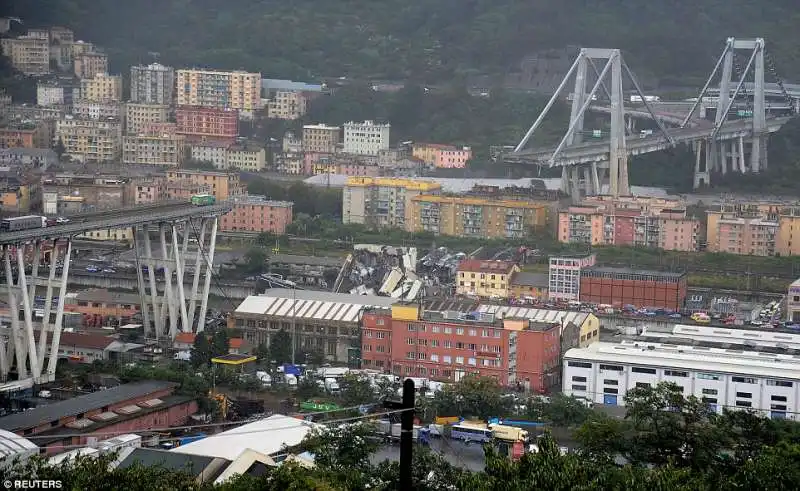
{"points": [[128, 217], [597, 151]]}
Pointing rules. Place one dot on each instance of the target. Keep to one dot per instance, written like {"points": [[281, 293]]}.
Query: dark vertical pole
{"points": [[406, 435]]}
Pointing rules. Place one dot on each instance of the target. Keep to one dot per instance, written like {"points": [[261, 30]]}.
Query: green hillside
{"points": [[422, 40]]}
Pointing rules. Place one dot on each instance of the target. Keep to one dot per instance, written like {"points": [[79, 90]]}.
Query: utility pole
{"points": [[406, 432], [294, 324]]}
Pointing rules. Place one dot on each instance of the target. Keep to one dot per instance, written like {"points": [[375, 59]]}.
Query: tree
{"points": [[472, 397], [280, 347], [356, 390], [561, 410], [201, 351], [220, 343], [262, 353], [255, 258], [60, 148], [343, 453]]}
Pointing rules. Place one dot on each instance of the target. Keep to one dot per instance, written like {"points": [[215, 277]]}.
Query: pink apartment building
{"points": [[258, 214], [751, 236], [442, 156]]}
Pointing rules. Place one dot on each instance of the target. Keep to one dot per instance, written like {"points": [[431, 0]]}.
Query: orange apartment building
{"points": [[201, 124], [103, 303], [17, 138], [758, 229], [258, 214], [223, 185], [450, 345], [640, 222]]}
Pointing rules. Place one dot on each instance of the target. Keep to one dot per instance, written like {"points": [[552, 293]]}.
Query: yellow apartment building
{"points": [[223, 185], [219, 89], [485, 278], [246, 158], [162, 149], [111, 234], [287, 105], [138, 117], [462, 216], [28, 54], [321, 138], [102, 88], [87, 65], [88, 140], [382, 201], [787, 242]]}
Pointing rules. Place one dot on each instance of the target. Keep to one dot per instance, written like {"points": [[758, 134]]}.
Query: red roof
{"points": [[80, 340], [485, 266], [235, 343], [185, 337]]}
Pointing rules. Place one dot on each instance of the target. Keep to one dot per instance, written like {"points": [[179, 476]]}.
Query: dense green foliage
{"points": [[670, 442], [418, 39]]}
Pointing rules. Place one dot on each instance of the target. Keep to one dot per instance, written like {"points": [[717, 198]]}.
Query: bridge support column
{"points": [[742, 165], [702, 174], [144, 258], [208, 254], [24, 345]]}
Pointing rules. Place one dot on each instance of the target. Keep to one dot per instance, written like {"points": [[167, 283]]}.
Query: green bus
{"points": [[203, 199]]}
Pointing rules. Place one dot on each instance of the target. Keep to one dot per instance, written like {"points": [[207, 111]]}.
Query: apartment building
{"points": [[216, 153], [760, 229], [61, 40], [152, 84], [87, 65], [56, 93], [340, 163], [291, 143], [488, 279], [80, 47], [789, 224], [248, 158], [68, 192], [366, 138], [442, 156], [564, 276], [184, 189], [290, 163], [86, 109], [154, 148], [258, 214], [148, 191], [207, 124], [625, 223], [102, 88], [463, 216], [382, 202], [222, 185], [217, 89], [29, 54], [17, 137], [321, 138], [288, 105], [88, 140], [138, 117]]}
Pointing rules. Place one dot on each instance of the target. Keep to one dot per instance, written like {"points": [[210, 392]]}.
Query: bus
{"points": [[471, 432]]}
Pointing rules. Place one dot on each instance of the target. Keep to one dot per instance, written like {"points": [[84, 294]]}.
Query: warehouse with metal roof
{"points": [[321, 321], [14, 447]]}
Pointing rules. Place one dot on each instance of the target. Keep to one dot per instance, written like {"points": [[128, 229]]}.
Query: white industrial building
{"points": [[732, 378], [367, 138]]}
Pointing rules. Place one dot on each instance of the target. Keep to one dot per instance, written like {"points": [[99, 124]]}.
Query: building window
{"points": [[744, 404], [779, 398], [711, 392], [779, 383], [675, 373], [610, 382], [615, 368], [651, 371], [610, 390], [744, 380], [579, 364], [642, 385], [708, 376], [580, 388], [744, 395], [578, 379]]}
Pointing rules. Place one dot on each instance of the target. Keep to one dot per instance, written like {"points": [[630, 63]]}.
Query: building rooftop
{"points": [[410, 184], [331, 262], [470, 200], [100, 295], [541, 280], [196, 465], [538, 315], [632, 271], [320, 126], [715, 360], [82, 404], [12, 444], [267, 436], [251, 199], [305, 304], [485, 266], [81, 340]]}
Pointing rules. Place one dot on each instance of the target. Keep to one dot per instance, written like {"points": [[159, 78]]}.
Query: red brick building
{"points": [[258, 214], [625, 286], [449, 345], [128, 408], [201, 124]]}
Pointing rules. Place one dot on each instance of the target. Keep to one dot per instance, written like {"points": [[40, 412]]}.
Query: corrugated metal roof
{"points": [[536, 315], [12, 444], [339, 307], [82, 404]]}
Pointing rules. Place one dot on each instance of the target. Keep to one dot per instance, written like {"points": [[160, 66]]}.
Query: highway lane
{"points": [[115, 219]]}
